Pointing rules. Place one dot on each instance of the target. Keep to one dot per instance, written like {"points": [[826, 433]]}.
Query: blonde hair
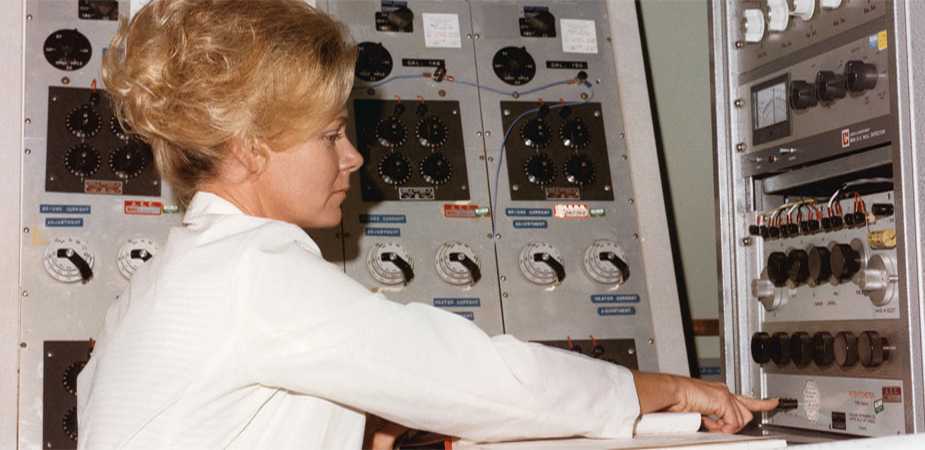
{"points": [[192, 76]]}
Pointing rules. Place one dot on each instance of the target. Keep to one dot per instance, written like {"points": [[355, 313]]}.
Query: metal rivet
{"points": [[498, 236], [740, 147], [464, 187], [26, 230], [636, 236], [622, 135], [468, 35], [478, 132], [454, 112], [651, 341], [25, 293], [23, 345], [65, 81], [631, 351], [505, 294], [487, 133], [739, 103], [28, 151], [506, 112], [441, 93], [50, 354], [740, 44], [476, 36], [502, 278], [515, 187], [747, 242], [28, 17], [584, 95], [515, 94], [606, 188], [631, 201], [28, 121], [597, 114]]}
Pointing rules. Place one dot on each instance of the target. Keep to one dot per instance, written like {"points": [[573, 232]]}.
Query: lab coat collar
{"points": [[206, 203]]}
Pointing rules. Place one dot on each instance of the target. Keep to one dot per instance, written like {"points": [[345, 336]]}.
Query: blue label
{"points": [[60, 222], [530, 224], [872, 41], [383, 218], [472, 302], [615, 298], [710, 371], [467, 314], [616, 311], [383, 231], [528, 212], [64, 209]]}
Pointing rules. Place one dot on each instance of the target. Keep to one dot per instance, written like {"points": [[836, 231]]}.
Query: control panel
{"points": [[814, 189]]}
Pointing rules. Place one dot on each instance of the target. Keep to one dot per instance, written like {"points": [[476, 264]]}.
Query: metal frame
{"points": [[11, 138], [643, 161]]}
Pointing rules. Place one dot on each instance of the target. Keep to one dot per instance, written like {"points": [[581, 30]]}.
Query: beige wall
{"points": [[677, 41]]}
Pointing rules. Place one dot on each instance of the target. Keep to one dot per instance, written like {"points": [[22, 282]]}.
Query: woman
{"points": [[239, 334]]}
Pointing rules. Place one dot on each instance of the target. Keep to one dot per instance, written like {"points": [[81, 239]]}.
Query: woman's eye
{"points": [[333, 138]]}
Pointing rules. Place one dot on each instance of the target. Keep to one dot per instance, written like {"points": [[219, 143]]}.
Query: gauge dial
{"points": [[539, 169], [394, 169], [770, 106], [82, 160], [129, 160], [431, 132], [67, 50], [374, 62], [579, 170], [391, 132], [83, 122], [574, 134], [436, 169], [535, 133], [514, 65]]}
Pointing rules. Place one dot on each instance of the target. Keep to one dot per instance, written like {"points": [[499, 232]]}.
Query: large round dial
{"points": [[390, 264], [374, 62], [129, 160], [542, 264], [82, 160], [539, 169], [535, 133], [579, 170], [845, 261], [777, 268], [823, 349], [760, 347], [820, 269], [431, 132], [67, 49], [394, 169], [846, 349], [801, 348], [391, 132], [779, 348], [83, 122], [118, 130], [436, 169], [574, 134], [797, 267], [872, 349], [514, 65]]}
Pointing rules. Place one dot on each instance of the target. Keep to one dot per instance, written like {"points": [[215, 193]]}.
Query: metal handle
{"points": [[553, 264], [407, 271], [474, 271], [86, 273]]}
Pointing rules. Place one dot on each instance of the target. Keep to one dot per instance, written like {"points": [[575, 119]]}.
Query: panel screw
{"points": [[739, 103], [441, 93], [28, 17], [498, 236], [23, 345], [50, 354], [631, 351], [487, 133], [597, 114], [476, 36], [478, 132], [740, 147], [606, 188], [28, 121], [747, 242], [631, 201], [502, 278], [506, 112], [505, 294], [28, 151], [65, 81], [584, 95], [515, 187], [636, 236], [740, 44], [25, 293], [26, 230], [651, 341]]}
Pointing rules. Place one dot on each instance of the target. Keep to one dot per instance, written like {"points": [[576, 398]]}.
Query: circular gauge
{"points": [[391, 132], [436, 169], [574, 134], [67, 50], [394, 169], [374, 62], [118, 130], [514, 65], [431, 132], [129, 160], [69, 423], [69, 380], [535, 133], [579, 170], [83, 122], [539, 169], [82, 160]]}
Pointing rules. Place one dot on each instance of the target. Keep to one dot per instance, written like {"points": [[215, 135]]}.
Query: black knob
{"points": [[777, 268], [436, 169], [140, 253], [798, 270], [553, 263], [579, 170], [846, 349], [617, 262], [395, 169], [574, 134], [474, 271], [86, 272], [830, 86], [761, 347], [780, 348], [540, 169], [872, 349], [404, 266], [801, 348], [802, 95], [823, 349], [820, 269], [401, 18], [845, 261], [535, 134], [860, 76], [391, 132], [431, 132]]}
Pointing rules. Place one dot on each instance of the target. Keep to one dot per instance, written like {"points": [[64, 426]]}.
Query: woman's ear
{"points": [[250, 155]]}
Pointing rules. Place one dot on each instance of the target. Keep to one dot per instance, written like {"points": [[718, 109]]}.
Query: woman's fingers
{"points": [[755, 404]]}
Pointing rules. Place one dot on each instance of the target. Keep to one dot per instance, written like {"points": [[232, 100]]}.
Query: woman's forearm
{"points": [[656, 391]]}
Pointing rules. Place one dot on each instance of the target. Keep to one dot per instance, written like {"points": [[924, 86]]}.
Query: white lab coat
{"points": [[238, 334]]}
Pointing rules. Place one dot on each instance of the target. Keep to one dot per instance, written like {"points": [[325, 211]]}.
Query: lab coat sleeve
{"points": [[313, 330]]}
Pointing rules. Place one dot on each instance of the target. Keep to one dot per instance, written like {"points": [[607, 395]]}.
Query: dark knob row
{"points": [[829, 86], [844, 349], [818, 265], [810, 227]]}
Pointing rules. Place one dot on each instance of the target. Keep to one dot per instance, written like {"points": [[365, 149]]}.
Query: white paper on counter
{"points": [[668, 423], [687, 441]]}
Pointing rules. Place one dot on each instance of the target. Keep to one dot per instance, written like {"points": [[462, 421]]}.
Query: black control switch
{"points": [[860, 76], [801, 348], [830, 86], [802, 95]]}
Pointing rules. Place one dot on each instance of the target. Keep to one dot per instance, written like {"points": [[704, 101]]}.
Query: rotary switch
{"points": [[797, 267], [374, 62], [754, 25], [83, 122], [860, 76], [130, 160], [67, 50], [514, 65], [778, 15], [801, 349], [118, 130], [457, 264], [846, 349], [845, 261], [82, 160], [777, 268], [820, 269], [391, 132], [804, 9], [542, 264], [68, 260], [133, 254], [436, 169], [802, 95], [873, 350], [394, 169], [535, 133], [431, 132], [760, 347], [574, 134], [823, 349], [879, 280], [539, 169], [579, 170], [389, 264], [400, 19], [768, 294], [604, 262], [779, 348], [830, 86]]}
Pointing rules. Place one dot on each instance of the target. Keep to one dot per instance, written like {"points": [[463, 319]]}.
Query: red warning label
{"points": [[452, 211], [143, 208], [892, 394]]}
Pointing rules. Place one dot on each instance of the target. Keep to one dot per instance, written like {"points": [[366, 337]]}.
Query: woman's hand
{"points": [[722, 410]]}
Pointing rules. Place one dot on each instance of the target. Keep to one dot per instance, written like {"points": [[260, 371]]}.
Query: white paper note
{"points": [[441, 30], [578, 36]]}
